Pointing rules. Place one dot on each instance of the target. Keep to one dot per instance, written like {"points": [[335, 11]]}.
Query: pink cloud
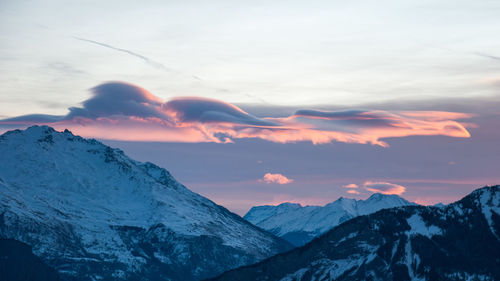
{"points": [[437, 115], [351, 185], [352, 191], [276, 178], [384, 187], [123, 111]]}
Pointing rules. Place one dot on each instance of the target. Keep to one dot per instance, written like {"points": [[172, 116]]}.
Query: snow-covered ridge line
{"points": [[76, 199], [299, 224], [455, 242]]}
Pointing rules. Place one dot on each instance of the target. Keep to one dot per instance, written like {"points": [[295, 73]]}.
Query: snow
{"points": [[323, 268], [334, 268], [394, 249], [406, 249], [419, 227], [466, 276], [411, 262], [345, 238], [490, 202], [297, 275], [288, 217], [459, 209], [57, 180]]}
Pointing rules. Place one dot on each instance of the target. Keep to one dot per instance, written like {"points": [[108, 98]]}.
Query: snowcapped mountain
{"points": [[299, 225], [459, 241], [92, 213]]}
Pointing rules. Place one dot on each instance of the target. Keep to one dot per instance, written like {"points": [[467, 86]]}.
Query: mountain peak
{"points": [[380, 196], [77, 200], [42, 134], [288, 205], [377, 196], [34, 131]]}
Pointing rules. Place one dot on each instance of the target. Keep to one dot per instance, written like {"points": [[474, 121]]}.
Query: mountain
{"points": [[92, 213], [18, 263], [299, 225], [460, 241]]}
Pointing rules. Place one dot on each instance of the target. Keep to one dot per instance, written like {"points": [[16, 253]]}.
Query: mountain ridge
{"points": [[457, 242], [90, 211], [300, 224]]}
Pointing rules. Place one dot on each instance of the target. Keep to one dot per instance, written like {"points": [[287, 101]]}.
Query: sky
{"points": [[258, 102]]}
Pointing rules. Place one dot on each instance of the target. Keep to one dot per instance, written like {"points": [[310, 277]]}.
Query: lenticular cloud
{"points": [[384, 188], [122, 111]]}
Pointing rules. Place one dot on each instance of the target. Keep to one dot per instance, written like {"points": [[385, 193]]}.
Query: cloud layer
{"points": [[123, 111]]}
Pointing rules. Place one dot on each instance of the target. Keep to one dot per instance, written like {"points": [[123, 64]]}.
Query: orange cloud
{"points": [[436, 115], [384, 187], [352, 191], [124, 111], [276, 178], [351, 185]]}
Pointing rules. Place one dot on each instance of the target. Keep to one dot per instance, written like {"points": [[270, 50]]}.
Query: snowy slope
{"points": [[459, 241], [90, 211], [299, 224]]}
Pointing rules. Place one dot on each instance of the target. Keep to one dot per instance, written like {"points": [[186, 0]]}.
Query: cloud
{"points": [[32, 118], [487, 56], [384, 187], [351, 185], [369, 126], [123, 111], [352, 191], [119, 99], [276, 178], [203, 110], [145, 59]]}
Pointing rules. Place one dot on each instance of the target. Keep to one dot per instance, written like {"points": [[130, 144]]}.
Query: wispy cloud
{"points": [[123, 111], [487, 56], [144, 58]]}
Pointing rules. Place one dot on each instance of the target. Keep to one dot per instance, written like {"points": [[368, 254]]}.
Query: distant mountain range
{"points": [[75, 209], [92, 213], [299, 225], [459, 241]]}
